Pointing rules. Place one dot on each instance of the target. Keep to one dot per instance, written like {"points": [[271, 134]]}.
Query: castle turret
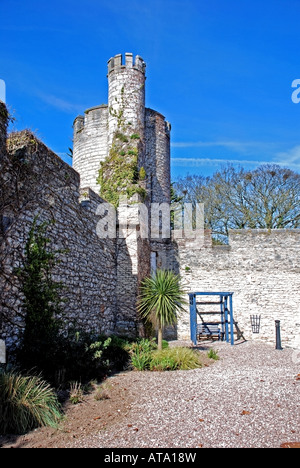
{"points": [[90, 145], [125, 114], [126, 96], [123, 134], [157, 158]]}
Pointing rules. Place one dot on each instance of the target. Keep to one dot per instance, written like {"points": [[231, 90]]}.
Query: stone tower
{"points": [[126, 95], [108, 140], [94, 132]]}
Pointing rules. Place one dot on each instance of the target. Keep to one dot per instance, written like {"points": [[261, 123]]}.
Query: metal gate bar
{"points": [[226, 311]]}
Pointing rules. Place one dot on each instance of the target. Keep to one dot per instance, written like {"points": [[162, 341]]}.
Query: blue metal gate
{"points": [[226, 312]]}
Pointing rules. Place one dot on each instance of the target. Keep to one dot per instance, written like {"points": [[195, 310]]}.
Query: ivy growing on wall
{"points": [[42, 300], [119, 174]]}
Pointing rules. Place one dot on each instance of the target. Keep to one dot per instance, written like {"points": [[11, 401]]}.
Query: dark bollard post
{"points": [[278, 338]]}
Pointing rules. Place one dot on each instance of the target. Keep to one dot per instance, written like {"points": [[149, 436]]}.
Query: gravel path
{"points": [[249, 398]]}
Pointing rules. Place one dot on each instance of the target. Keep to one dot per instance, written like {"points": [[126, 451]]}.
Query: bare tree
{"points": [[265, 198]]}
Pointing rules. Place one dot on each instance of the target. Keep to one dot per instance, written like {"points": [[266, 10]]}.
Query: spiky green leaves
{"points": [[26, 402], [161, 299]]}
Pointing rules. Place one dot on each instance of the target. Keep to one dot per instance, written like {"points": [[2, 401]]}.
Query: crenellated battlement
{"points": [[115, 64]]}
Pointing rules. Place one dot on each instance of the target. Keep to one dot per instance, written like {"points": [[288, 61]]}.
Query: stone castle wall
{"points": [[98, 274], [261, 268], [101, 275]]}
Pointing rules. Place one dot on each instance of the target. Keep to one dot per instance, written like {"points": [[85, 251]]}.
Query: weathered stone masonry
{"points": [[261, 267], [91, 269], [101, 275]]}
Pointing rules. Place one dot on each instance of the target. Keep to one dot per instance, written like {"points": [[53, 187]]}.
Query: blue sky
{"points": [[221, 72]]}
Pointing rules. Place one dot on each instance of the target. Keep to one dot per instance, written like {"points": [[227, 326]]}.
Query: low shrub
{"points": [[175, 359], [141, 361], [163, 361], [103, 392], [76, 355], [81, 356], [116, 354], [145, 356], [140, 353], [26, 402], [76, 393], [213, 354]]}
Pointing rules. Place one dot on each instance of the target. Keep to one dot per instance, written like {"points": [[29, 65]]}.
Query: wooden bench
{"points": [[210, 330]]}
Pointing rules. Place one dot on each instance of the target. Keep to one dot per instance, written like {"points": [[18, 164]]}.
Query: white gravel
{"points": [[249, 398]]}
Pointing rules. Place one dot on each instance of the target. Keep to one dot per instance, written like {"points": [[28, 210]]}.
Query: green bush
{"points": [[213, 354], [122, 137], [162, 361], [42, 301], [140, 353], [175, 359], [26, 402], [145, 356], [83, 356], [141, 361]]}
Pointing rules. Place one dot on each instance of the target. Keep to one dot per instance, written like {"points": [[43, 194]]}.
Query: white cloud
{"points": [[181, 162], [290, 158], [2, 91], [239, 146], [195, 162], [59, 103]]}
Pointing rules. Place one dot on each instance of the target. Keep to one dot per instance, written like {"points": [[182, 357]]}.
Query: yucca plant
{"points": [[26, 402], [161, 299]]}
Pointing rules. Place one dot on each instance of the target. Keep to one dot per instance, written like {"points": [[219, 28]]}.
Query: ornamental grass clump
{"points": [[178, 358], [145, 356], [26, 402]]}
